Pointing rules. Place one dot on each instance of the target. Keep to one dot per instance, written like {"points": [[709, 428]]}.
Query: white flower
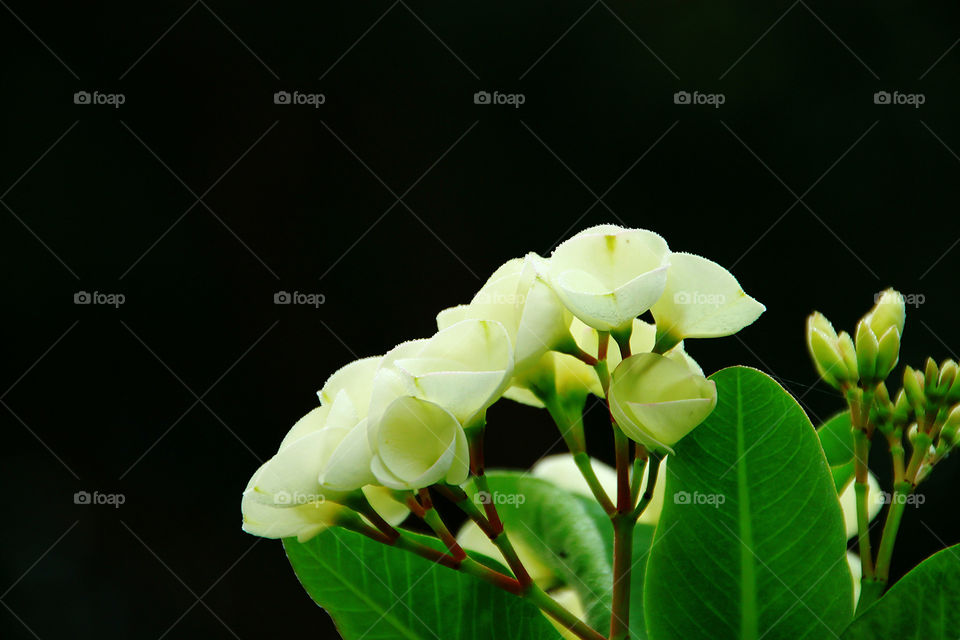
{"points": [[464, 369], [345, 399], [701, 300], [656, 400], [285, 496], [417, 443], [570, 376], [518, 298], [607, 275]]}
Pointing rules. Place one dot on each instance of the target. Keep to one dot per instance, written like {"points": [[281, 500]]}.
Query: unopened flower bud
{"points": [[901, 409], [882, 409], [951, 427], [849, 353], [887, 313], [825, 351], [913, 388], [948, 375], [868, 348], [889, 352], [931, 373]]}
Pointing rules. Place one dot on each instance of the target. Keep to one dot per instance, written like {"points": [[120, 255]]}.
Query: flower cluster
{"points": [[537, 332], [925, 413]]}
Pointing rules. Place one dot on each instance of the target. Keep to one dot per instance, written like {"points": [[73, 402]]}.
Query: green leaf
{"points": [[377, 592], [573, 536], [923, 605], [836, 437], [751, 540]]}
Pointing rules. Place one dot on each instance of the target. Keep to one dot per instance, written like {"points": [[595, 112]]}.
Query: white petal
{"points": [[348, 467], [303, 521], [702, 300], [355, 378], [313, 421], [417, 444]]}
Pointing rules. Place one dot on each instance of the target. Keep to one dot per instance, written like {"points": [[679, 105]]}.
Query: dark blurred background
{"points": [[199, 198]]}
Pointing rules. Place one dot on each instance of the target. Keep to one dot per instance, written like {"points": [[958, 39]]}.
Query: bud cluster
{"points": [[867, 358]]}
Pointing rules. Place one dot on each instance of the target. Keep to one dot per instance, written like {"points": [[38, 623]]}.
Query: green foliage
{"points": [[836, 437], [923, 605], [751, 540], [376, 592], [573, 536]]}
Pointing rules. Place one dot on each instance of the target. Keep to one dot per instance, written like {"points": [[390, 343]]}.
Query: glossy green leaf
{"points": [[572, 535], [836, 437], [751, 539], [376, 592], [923, 605]]}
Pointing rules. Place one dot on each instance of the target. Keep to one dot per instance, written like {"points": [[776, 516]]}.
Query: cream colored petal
{"points": [[853, 560], [561, 470], [348, 466], [383, 502], [610, 309], [702, 300], [523, 396], [291, 477], [607, 275], [355, 378], [303, 521], [417, 444], [451, 316], [313, 421], [666, 422]]}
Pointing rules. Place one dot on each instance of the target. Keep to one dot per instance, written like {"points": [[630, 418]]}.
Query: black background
{"points": [[812, 194]]}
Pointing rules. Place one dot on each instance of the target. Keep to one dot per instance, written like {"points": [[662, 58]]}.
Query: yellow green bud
{"points": [[951, 427], [825, 349], [889, 352], [868, 349], [948, 375], [849, 353], [930, 373], [913, 388], [888, 312], [901, 408]]}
